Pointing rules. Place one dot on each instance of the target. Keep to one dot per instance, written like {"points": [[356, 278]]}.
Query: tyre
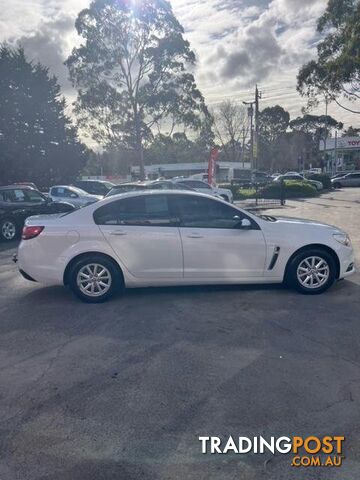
{"points": [[9, 229], [225, 197], [311, 271], [95, 279], [337, 185]]}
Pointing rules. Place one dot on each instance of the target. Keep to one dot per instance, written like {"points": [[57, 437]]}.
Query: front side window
{"points": [[199, 212], [147, 210]]}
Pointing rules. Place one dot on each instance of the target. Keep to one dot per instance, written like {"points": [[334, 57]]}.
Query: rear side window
{"points": [[146, 210]]}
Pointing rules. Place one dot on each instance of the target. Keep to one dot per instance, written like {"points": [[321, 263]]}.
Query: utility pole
{"points": [[257, 97], [326, 124], [254, 135], [243, 147], [251, 116]]}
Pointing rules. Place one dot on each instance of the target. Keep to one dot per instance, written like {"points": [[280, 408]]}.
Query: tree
{"points": [[351, 132], [229, 123], [37, 140], [131, 73], [336, 71], [273, 122], [317, 128]]}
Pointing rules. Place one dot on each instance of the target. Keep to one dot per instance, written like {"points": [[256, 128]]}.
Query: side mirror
{"points": [[245, 224]]}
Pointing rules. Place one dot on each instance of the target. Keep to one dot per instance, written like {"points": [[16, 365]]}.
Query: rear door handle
{"points": [[118, 232], [195, 235]]}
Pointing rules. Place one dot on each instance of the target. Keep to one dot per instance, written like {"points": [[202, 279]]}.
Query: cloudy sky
{"points": [[237, 42]]}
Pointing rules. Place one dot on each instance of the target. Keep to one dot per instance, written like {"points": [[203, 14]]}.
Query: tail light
{"points": [[31, 232]]}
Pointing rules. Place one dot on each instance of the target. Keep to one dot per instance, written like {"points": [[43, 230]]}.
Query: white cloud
{"points": [[237, 42]]}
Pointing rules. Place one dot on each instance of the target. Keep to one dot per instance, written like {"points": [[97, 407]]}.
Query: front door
{"points": [[213, 244], [144, 235]]}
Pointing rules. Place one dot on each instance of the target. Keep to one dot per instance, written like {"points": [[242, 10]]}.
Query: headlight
{"points": [[342, 238]]}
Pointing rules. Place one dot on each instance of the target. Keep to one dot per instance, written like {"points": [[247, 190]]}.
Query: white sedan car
{"points": [[76, 196], [161, 238]]}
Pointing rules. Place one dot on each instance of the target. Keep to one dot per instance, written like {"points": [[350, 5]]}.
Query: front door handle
{"points": [[195, 235], [118, 232]]}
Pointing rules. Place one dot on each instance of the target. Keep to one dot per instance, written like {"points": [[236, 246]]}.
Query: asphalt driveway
{"points": [[123, 390]]}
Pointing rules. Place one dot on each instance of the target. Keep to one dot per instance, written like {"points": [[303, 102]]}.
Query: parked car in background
{"points": [[73, 195], [147, 185], [204, 187], [26, 184], [95, 187], [148, 238], [19, 202], [126, 187], [296, 176], [261, 178], [347, 180]]}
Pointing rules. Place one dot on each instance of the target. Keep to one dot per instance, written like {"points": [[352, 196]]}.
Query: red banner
{"points": [[212, 165]]}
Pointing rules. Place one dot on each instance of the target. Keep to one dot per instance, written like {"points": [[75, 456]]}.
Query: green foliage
{"points": [[176, 149], [293, 189], [316, 125], [131, 73], [273, 122], [323, 178], [37, 140], [337, 67]]}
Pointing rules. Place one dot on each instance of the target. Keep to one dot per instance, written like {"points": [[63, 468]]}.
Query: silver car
{"points": [[347, 180], [73, 195]]}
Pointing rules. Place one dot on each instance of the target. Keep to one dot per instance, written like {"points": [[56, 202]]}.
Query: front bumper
{"points": [[347, 262]]}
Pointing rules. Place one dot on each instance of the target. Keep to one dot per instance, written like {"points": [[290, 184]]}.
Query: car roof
{"points": [[71, 187], [94, 181], [12, 187], [138, 193]]}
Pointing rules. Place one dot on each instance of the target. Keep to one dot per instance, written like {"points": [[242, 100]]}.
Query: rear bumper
{"points": [[26, 276]]}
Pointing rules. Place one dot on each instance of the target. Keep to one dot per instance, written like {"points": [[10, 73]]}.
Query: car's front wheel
{"points": [[8, 229], [95, 278], [312, 271]]}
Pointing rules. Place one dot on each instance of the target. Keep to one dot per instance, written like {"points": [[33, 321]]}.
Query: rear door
{"points": [[354, 180], [213, 245], [143, 232]]}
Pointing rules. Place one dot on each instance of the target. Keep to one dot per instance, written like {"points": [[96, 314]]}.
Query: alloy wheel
{"points": [[8, 230], [313, 272], [94, 280]]}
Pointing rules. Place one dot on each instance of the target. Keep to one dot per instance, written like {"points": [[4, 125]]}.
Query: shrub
{"points": [[320, 177], [293, 189]]}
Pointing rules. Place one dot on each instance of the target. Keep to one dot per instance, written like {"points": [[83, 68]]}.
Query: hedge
{"points": [[320, 177], [293, 189]]}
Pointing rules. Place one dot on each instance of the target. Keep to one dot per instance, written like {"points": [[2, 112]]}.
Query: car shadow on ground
{"points": [[58, 294], [5, 246]]}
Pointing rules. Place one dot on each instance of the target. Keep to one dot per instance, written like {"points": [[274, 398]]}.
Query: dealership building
{"points": [[226, 171], [342, 154]]}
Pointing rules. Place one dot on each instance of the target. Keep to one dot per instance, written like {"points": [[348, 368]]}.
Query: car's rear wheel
{"points": [[225, 197], [8, 229], [312, 271], [95, 278], [337, 185]]}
